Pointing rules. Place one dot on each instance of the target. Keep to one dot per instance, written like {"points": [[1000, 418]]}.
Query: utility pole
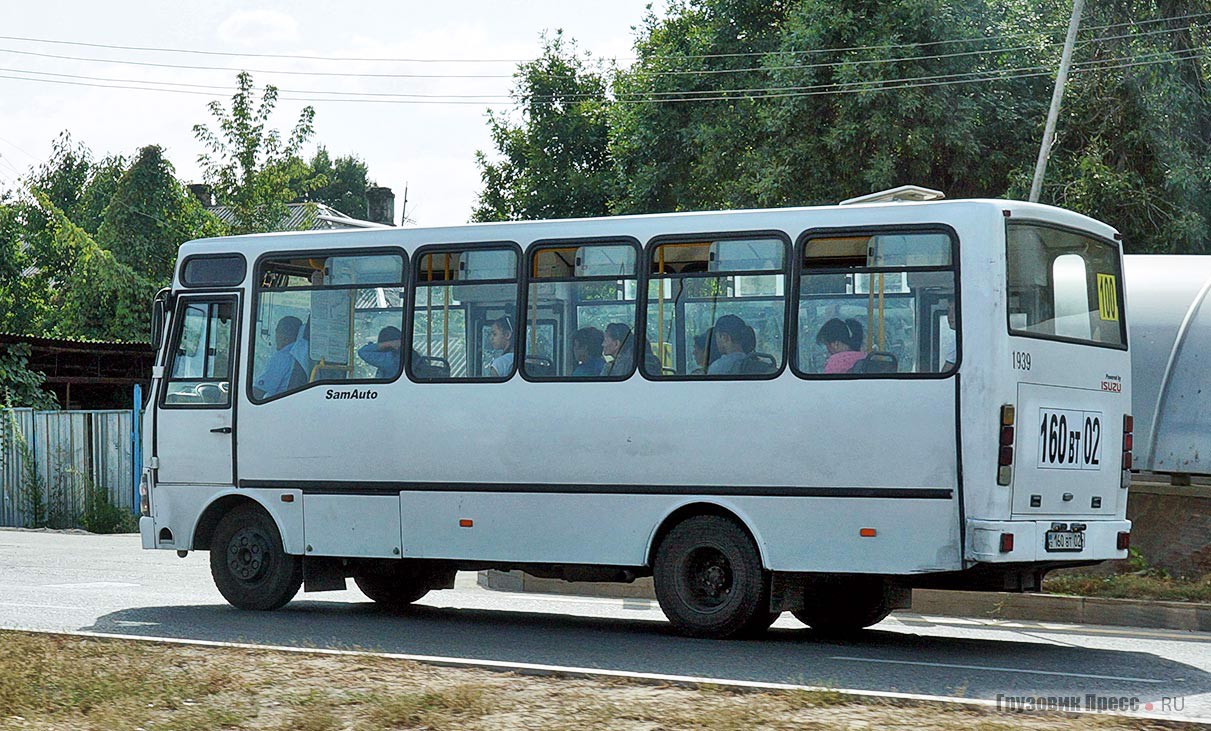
{"points": [[1061, 78]]}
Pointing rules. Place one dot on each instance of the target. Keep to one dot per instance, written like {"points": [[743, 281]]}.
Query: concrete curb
{"points": [[1184, 616]]}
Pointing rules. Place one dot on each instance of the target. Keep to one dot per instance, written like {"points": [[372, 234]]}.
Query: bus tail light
{"points": [[1128, 441], [1124, 540], [144, 502], [1005, 457], [1006, 543]]}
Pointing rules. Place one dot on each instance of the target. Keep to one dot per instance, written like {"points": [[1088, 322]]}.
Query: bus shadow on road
{"points": [[876, 659]]}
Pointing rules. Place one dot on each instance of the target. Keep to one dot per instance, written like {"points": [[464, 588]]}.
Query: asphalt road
{"points": [[63, 582]]}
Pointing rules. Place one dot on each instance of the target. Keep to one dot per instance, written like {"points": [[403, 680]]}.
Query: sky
{"points": [[429, 148]]}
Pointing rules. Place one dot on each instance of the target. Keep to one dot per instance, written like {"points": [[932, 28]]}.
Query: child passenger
{"points": [[843, 341]]}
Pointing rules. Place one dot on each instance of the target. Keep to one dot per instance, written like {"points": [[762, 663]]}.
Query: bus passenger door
{"points": [[194, 438]]}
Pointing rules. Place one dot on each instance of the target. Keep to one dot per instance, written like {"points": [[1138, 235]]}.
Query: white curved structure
{"points": [[1170, 356]]}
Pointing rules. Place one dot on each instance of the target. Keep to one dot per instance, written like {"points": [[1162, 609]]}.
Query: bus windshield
{"points": [[1064, 285]]}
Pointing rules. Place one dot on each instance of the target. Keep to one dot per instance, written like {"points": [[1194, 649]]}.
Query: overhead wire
{"points": [[373, 59], [675, 96]]}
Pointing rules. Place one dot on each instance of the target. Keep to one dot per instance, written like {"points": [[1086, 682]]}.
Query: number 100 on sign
{"points": [[1070, 440]]}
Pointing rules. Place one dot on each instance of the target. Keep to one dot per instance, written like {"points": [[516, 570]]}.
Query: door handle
{"points": [[221, 430]]}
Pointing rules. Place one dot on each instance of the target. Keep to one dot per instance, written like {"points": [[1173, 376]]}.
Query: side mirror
{"points": [[159, 309]]}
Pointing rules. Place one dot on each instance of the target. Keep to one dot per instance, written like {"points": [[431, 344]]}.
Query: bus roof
{"points": [[645, 226]]}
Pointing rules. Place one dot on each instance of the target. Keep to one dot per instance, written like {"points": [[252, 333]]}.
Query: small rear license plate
{"points": [[1065, 540]]}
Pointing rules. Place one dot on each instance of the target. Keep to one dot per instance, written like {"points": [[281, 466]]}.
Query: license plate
{"points": [[1065, 540], [1070, 440]]}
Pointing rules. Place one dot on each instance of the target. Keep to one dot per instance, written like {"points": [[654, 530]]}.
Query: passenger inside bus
{"points": [[619, 344], [843, 341], [283, 372], [502, 339], [384, 355], [731, 335], [705, 351], [950, 357], [587, 350]]}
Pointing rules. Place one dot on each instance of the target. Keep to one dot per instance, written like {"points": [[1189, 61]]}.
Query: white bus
{"points": [[809, 410]]}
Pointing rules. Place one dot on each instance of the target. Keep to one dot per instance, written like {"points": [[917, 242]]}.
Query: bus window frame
{"points": [[1009, 221], [170, 355], [410, 317], [844, 231], [647, 277], [553, 243], [184, 267], [255, 286]]}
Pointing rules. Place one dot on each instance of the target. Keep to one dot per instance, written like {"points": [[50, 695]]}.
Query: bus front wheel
{"points": [[840, 605], [709, 579], [249, 565]]}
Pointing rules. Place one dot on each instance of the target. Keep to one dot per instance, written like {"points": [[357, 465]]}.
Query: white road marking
{"points": [[35, 606], [92, 585], [996, 669], [593, 673]]}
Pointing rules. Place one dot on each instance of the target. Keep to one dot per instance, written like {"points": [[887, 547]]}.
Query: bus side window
{"points": [[716, 307], [326, 317], [464, 321], [869, 304], [580, 310]]}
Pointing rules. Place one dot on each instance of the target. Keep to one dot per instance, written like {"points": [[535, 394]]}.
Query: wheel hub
{"points": [[708, 576], [246, 554]]}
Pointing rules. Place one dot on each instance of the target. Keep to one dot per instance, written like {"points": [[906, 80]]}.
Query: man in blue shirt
{"points": [[730, 332], [385, 354], [280, 374]]}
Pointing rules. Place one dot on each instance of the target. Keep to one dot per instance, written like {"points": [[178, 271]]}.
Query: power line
{"points": [[371, 59], [701, 72], [1008, 73], [754, 93]]}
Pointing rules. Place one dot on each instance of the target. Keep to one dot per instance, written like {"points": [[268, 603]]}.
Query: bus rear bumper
{"points": [[147, 531], [1029, 542]]}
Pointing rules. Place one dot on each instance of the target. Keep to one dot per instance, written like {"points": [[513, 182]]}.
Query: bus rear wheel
{"points": [[709, 579], [395, 588], [837, 605], [248, 562]]}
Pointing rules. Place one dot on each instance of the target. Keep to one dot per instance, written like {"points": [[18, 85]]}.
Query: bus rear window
{"points": [[1064, 285]]}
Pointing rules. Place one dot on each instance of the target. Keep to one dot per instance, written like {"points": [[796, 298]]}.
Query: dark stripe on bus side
{"points": [[341, 487]]}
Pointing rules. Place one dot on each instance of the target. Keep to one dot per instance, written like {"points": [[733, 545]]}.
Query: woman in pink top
{"points": [[843, 341]]}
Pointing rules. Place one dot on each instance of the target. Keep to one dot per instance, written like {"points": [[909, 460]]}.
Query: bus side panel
{"points": [[793, 533]]}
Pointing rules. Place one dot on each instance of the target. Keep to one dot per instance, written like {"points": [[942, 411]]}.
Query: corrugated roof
{"points": [[78, 344], [323, 218]]}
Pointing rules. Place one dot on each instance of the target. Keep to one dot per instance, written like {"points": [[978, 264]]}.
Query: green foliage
{"points": [[737, 103], [98, 192], [340, 184], [554, 162], [1134, 143], [23, 292], [149, 215], [100, 298], [20, 386], [252, 169], [101, 515]]}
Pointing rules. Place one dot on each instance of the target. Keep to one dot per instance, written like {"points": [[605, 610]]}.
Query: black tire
{"points": [[395, 589], [709, 579], [248, 562], [843, 605]]}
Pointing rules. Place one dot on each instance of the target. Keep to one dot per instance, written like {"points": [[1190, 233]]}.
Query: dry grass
{"points": [[1138, 585], [52, 682]]}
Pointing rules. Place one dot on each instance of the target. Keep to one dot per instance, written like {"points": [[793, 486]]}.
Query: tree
{"points": [[100, 298], [554, 162], [1133, 146], [150, 215], [340, 184], [252, 169]]}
